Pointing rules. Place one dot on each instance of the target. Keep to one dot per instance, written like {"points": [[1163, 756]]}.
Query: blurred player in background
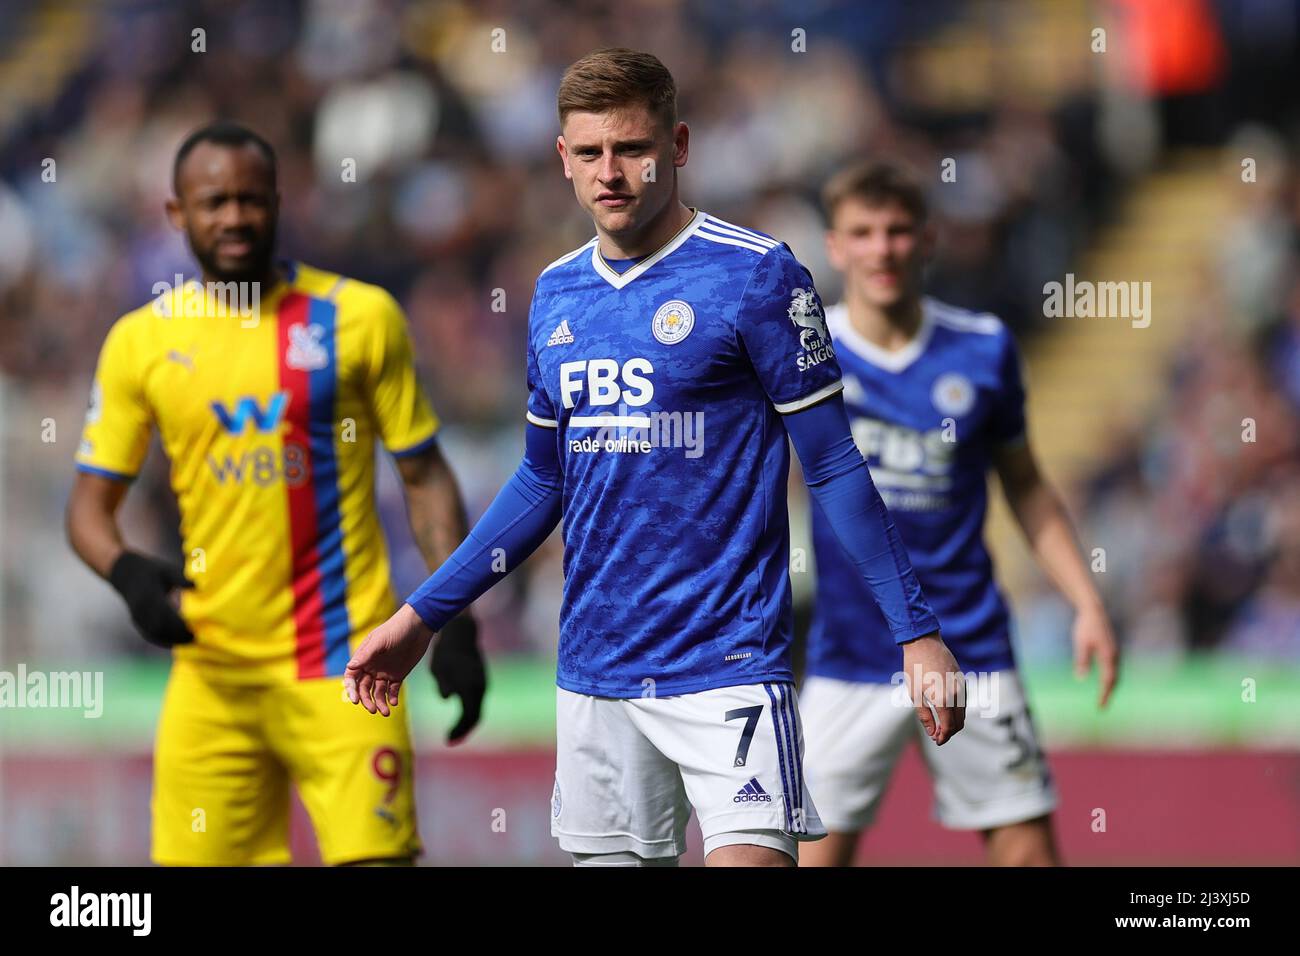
{"points": [[668, 360], [269, 385], [935, 398]]}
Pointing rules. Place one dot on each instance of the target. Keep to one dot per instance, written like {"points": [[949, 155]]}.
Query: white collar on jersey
{"points": [[842, 330], [618, 281]]}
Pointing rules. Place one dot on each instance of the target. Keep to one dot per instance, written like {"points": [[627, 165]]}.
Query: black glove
{"points": [[457, 665], [145, 584]]}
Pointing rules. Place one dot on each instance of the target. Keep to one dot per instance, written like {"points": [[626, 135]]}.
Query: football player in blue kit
{"points": [[668, 360], [935, 398]]}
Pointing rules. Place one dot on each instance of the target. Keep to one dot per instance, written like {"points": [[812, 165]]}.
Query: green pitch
{"points": [[1198, 703]]}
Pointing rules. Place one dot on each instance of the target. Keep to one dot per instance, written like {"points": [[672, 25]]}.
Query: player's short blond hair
{"points": [[876, 182], [615, 78]]}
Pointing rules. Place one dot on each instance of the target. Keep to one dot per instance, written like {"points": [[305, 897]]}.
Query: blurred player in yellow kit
{"points": [[269, 385]]}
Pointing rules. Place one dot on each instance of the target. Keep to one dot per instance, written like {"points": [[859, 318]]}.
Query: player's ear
{"points": [[834, 254], [929, 239], [174, 213], [681, 144], [564, 155]]}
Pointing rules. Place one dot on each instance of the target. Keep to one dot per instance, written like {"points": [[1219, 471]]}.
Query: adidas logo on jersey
{"points": [[561, 335], [752, 792]]}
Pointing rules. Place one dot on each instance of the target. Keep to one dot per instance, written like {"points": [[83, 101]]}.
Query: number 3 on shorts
{"points": [[751, 715]]}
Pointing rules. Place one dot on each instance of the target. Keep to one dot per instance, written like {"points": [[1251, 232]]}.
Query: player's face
{"points": [[622, 163], [227, 208], [881, 249]]}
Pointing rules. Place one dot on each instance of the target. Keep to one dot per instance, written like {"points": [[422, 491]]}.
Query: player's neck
{"points": [[267, 284], [890, 328], [653, 236]]}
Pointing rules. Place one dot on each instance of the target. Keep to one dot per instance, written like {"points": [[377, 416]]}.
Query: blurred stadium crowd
{"points": [[1202, 505], [458, 194]]}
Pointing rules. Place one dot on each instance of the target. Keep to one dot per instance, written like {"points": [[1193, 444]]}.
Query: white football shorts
{"points": [[629, 771], [991, 774]]}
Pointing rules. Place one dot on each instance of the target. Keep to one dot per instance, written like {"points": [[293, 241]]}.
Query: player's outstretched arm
{"points": [[1042, 516], [839, 479], [521, 517]]}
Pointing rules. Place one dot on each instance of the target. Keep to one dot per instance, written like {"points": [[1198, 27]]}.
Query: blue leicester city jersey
{"points": [[927, 418], [666, 382]]}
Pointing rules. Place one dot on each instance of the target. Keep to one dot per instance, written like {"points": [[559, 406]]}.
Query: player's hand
{"points": [[374, 676], [1093, 638], [146, 584], [457, 665], [935, 681]]}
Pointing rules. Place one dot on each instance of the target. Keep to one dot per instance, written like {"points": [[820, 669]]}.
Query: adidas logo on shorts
{"points": [[561, 335], [752, 792]]}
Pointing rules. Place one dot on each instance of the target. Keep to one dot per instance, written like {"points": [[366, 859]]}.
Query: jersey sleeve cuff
{"points": [[541, 422], [417, 448], [104, 472], [799, 404], [433, 621], [914, 629]]}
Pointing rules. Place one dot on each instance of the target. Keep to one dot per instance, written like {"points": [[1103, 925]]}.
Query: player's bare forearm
{"points": [[433, 505], [91, 521], [438, 523], [1046, 524], [148, 585]]}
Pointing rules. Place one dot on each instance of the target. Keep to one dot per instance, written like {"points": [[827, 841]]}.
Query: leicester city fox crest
{"points": [[673, 322], [805, 312]]}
